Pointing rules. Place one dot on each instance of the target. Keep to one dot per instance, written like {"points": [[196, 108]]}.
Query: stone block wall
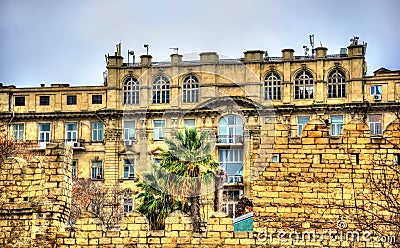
{"points": [[319, 180], [35, 197]]}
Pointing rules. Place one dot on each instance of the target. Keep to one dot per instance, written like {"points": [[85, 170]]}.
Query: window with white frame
{"points": [[231, 160], [71, 133], [131, 91], [375, 90], [230, 199], [19, 131], [230, 129], [375, 124], [301, 122], [129, 168], [275, 158], [97, 131], [44, 134], [190, 86], [159, 129], [74, 168], [97, 170], [304, 85], [272, 86], [189, 123], [129, 130], [336, 84], [336, 125], [161, 90], [128, 205]]}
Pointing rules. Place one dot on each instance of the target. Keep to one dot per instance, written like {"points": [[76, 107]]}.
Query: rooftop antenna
{"points": [[354, 40], [147, 48], [132, 53], [174, 49], [312, 43], [306, 49]]}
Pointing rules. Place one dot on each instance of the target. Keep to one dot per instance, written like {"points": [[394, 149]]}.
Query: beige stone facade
{"points": [[117, 130]]}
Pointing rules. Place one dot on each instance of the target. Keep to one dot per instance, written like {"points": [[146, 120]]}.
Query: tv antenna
{"points": [[131, 53], [174, 49], [354, 40], [306, 49], [147, 48], [312, 43]]}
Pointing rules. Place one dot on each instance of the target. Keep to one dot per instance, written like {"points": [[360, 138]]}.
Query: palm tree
{"points": [[156, 203], [189, 163]]}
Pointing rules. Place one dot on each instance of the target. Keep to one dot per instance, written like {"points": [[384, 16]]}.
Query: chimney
{"points": [[287, 54], [209, 58], [145, 60], [253, 56], [320, 52], [176, 59], [355, 50]]}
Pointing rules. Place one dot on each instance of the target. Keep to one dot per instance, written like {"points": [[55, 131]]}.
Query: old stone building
{"points": [[117, 130]]}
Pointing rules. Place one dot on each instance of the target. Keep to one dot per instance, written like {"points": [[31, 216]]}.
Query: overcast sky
{"points": [[47, 41]]}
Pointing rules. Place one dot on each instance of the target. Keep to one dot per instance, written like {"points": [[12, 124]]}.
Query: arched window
{"points": [[190, 89], [304, 85], [131, 91], [272, 86], [230, 129], [161, 90], [336, 84]]}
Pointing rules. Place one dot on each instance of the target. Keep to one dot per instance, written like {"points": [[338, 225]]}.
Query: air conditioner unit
{"points": [[377, 97], [132, 175], [98, 176]]}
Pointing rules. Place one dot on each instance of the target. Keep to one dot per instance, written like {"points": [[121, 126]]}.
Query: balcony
{"points": [[41, 145], [230, 139], [234, 180]]}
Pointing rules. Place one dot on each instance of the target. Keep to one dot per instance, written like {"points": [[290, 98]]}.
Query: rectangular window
{"points": [[230, 200], [301, 122], [128, 205], [129, 168], [336, 125], [71, 133], [44, 134], [97, 170], [159, 129], [231, 160], [97, 131], [44, 100], [19, 101], [19, 130], [129, 130], [97, 99], [71, 100], [74, 168], [189, 123], [375, 90], [275, 158], [375, 124]]}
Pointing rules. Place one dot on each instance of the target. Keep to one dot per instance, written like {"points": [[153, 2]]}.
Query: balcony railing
{"points": [[38, 144], [230, 139], [234, 179]]}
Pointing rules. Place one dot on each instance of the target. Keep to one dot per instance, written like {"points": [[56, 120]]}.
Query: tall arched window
{"points": [[190, 89], [161, 90], [304, 85], [131, 91], [336, 84], [230, 129], [272, 86]]}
